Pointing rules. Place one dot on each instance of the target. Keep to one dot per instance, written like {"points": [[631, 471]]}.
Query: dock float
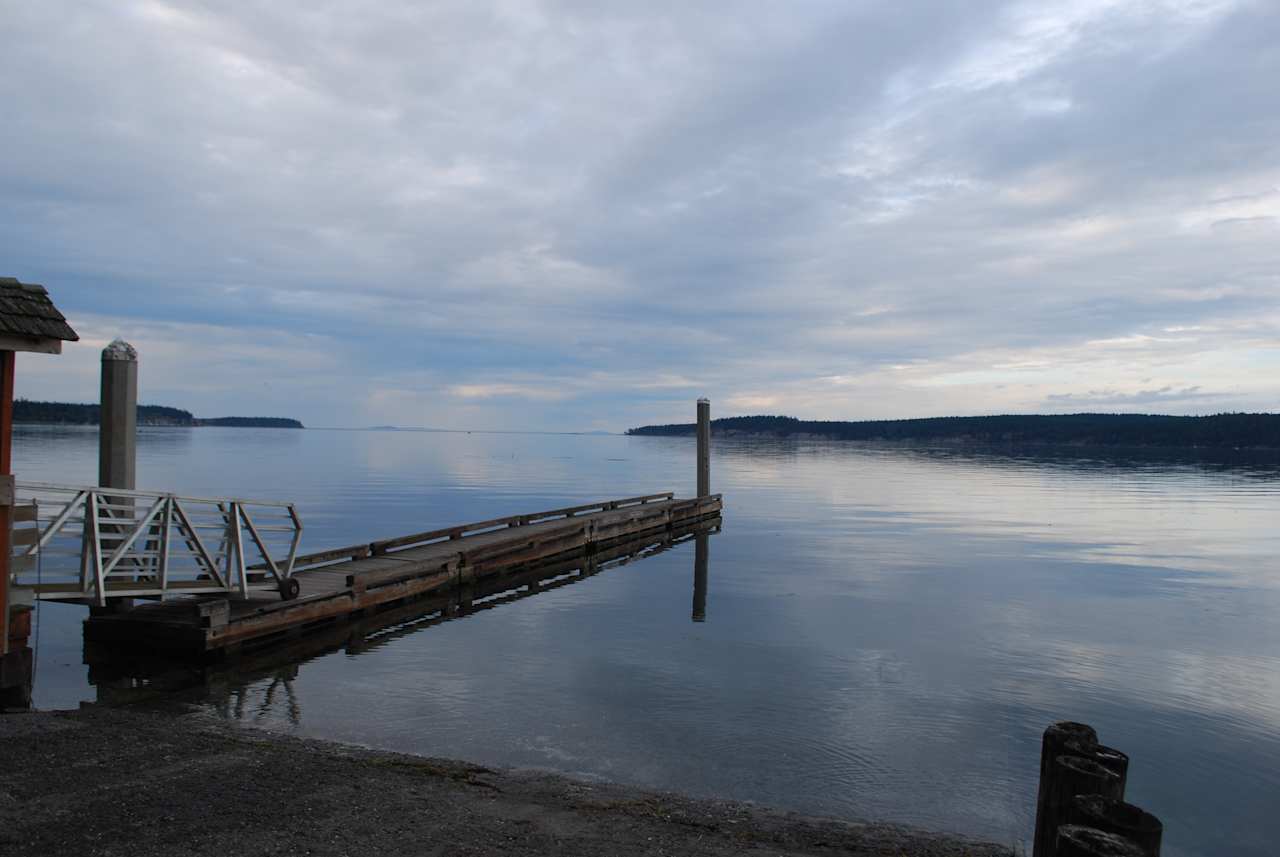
{"points": [[364, 579]]}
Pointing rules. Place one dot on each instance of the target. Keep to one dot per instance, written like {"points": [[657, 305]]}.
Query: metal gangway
{"points": [[88, 544]]}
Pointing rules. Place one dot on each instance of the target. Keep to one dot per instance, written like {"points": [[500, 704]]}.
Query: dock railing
{"points": [[462, 531], [91, 544]]}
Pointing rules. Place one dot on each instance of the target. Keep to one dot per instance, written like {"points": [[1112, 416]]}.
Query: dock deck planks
{"points": [[354, 581]]}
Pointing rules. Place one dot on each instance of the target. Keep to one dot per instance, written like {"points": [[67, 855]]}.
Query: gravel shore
{"points": [[128, 782]]}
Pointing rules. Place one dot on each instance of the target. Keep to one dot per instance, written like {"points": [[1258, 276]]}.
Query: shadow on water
{"points": [[127, 677]]}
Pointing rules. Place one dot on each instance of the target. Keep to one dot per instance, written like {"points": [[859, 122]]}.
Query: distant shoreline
{"points": [[67, 413], [1218, 431]]}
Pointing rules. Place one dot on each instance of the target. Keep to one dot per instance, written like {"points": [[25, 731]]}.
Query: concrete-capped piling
{"points": [[118, 426]]}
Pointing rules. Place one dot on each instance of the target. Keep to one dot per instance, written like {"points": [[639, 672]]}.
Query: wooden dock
{"points": [[362, 580]]}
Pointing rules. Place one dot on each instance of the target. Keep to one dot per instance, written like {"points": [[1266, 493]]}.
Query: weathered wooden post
{"points": [[118, 442], [1077, 841], [1108, 757], [704, 447], [1070, 776], [700, 577], [7, 499], [1119, 818], [118, 431], [1052, 745]]}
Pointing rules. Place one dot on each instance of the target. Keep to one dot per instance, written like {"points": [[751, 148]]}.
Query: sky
{"points": [[585, 215]]}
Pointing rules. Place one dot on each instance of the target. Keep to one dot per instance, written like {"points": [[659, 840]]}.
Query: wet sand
{"points": [[138, 783]]}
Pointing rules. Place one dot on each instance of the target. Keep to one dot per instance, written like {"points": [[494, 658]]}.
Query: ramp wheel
{"points": [[289, 588]]}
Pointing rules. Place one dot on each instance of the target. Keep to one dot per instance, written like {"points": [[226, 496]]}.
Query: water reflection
{"points": [[700, 578], [259, 686]]}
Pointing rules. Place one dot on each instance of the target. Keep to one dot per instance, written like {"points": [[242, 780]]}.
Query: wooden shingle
{"points": [[27, 311]]}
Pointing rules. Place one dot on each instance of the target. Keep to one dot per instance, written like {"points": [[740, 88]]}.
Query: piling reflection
{"points": [[700, 577], [260, 684]]}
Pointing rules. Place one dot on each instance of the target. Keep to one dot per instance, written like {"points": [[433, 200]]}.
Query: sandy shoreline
{"points": [[117, 781]]}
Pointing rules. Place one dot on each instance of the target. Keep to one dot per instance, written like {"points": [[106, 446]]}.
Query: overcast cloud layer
{"points": [[583, 215]]}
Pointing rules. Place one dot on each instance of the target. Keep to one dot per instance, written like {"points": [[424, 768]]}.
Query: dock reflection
{"points": [[123, 677]]}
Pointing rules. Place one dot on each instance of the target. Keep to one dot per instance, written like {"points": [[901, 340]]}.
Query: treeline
{"points": [[1218, 430], [251, 422], [67, 413], [26, 411]]}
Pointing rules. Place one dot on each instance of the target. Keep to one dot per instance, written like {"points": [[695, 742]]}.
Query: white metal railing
{"points": [[95, 543]]}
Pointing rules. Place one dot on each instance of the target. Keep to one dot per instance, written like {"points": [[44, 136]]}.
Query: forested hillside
{"points": [[1218, 430], [26, 411], [66, 413]]}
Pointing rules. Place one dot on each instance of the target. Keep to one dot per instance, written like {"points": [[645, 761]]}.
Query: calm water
{"points": [[887, 632]]}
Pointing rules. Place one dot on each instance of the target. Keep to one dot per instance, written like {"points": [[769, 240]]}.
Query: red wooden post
{"points": [[6, 507]]}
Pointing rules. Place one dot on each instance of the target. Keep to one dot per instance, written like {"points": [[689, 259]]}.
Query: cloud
{"points": [[582, 212], [1110, 399]]}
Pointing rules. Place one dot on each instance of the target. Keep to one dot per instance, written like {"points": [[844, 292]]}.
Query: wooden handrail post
{"points": [[704, 447]]}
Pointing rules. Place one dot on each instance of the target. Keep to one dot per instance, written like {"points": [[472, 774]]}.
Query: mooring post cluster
{"points": [[1080, 809]]}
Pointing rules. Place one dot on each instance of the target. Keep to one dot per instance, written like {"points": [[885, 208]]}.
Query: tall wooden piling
{"points": [[118, 437], [1068, 777], [118, 431], [704, 447], [1052, 745], [700, 548]]}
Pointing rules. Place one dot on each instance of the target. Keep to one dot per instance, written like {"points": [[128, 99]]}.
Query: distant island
{"points": [[66, 413], [1222, 431]]}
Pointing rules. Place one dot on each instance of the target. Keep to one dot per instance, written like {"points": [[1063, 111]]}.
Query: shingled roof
{"points": [[26, 310]]}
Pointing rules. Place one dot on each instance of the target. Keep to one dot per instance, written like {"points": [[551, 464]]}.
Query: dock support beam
{"points": [[704, 447], [118, 432]]}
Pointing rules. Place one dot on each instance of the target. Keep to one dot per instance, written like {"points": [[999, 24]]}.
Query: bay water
{"points": [[887, 630]]}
